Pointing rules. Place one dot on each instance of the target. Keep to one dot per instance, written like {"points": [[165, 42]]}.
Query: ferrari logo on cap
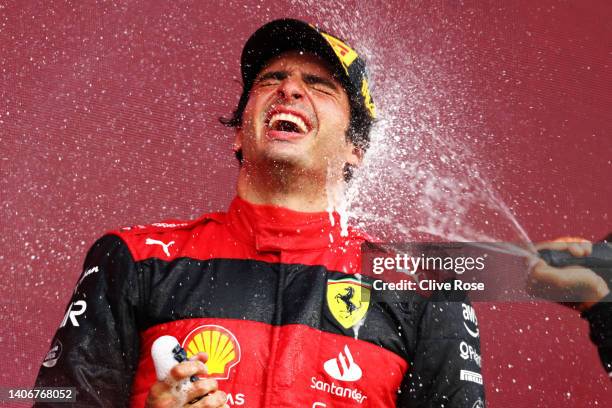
{"points": [[348, 300]]}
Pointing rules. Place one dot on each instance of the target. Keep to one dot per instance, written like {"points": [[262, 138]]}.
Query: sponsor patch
{"points": [[165, 246], [235, 399], [478, 404], [92, 270], [169, 224], [53, 354], [345, 53], [74, 310], [467, 375], [467, 352], [367, 98], [470, 322], [344, 367], [348, 300], [221, 346]]}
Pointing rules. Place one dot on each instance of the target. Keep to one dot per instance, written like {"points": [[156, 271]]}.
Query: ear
{"points": [[237, 145], [354, 155]]}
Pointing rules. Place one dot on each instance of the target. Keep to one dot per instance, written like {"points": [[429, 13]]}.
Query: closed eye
{"points": [[271, 78], [320, 84]]}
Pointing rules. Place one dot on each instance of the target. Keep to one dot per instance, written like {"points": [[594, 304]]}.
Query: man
{"points": [[589, 292], [270, 291]]}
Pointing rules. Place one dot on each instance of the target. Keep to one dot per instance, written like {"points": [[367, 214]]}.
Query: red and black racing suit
{"points": [[251, 287]]}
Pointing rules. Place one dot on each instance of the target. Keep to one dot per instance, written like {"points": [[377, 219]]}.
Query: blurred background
{"points": [[108, 118]]}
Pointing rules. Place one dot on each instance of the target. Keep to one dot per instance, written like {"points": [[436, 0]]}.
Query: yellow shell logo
{"points": [[221, 346]]}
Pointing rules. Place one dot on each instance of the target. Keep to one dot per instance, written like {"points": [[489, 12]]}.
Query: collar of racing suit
{"points": [[271, 228]]}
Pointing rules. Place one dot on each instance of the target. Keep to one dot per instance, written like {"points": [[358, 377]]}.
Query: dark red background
{"points": [[108, 118]]}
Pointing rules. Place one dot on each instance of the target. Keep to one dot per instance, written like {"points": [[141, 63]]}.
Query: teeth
{"points": [[288, 117]]}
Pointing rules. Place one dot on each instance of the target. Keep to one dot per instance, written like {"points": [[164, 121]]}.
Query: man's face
{"points": [[297, 115]]}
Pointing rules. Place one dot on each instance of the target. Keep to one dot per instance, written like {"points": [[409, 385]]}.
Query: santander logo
{"points": [[343, 368]]}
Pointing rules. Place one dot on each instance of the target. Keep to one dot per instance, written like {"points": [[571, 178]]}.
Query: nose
{"points": [[290, 89]]}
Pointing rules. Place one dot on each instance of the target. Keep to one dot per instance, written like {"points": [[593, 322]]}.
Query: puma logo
{"points": [[151, 241]]}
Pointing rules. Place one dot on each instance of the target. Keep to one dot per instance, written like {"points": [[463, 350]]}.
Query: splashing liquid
{"points": [[423, 177], [336, 202]]}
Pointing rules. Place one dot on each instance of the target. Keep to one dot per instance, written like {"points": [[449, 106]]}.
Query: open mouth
{"points": [[287, 122]]}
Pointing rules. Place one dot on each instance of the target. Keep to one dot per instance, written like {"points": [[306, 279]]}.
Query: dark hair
{"points": [[358, 132]]}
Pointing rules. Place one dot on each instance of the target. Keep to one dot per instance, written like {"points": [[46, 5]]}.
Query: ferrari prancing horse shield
{"points": [[348, 300]]}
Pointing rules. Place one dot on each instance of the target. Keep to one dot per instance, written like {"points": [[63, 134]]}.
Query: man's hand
{"points": [[164, 394], [583, 286]]}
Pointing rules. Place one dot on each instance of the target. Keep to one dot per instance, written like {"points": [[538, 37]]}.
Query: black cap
{"points": [[284, 35]]}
